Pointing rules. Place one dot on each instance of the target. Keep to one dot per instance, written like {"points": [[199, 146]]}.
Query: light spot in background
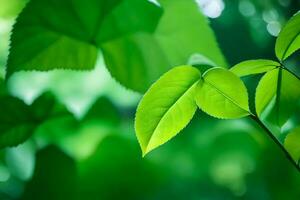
{"points": [[211, 8], [5, 25], [230, 170], [78, 91], [284, 3], [155, 2], [21, 160], [270, 15], [274, 28], [247, 8]]}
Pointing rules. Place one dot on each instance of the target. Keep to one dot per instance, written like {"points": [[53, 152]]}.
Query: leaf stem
{"points": [[275, 140]]}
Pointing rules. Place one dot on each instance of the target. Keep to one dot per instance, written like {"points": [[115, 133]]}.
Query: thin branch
{"points": [[275, 140]]}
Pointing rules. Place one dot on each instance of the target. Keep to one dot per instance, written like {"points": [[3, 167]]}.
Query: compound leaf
{"points": [[288, 40], [167, 107], [250, 67], [222, 94]]}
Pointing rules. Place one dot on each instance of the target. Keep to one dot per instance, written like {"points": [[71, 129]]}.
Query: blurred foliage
{"points": [[95, 155]]}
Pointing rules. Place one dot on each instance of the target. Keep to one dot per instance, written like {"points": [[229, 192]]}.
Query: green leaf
{"points": [[55, 176], [19, 121], [167, 107], [137, 60], [292, 142], [281, 87], [139, 40], [288, 40], [55, 34], [250, 67], [16, 121], [222, 94]]}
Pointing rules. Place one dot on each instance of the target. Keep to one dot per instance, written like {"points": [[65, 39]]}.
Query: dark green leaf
{"points": [[54, 177], [16, 121]]}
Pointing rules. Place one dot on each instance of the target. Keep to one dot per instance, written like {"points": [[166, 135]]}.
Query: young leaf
{"points": [[282, 87], [222, 94], [292, 142], [288, 40], [250, 67], [167, 107]]}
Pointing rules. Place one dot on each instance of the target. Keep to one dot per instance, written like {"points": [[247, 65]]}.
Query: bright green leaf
{"points": [[167, 107], [250, 67], [292, 144], [281, 87], [222, 94], [288, 40]]}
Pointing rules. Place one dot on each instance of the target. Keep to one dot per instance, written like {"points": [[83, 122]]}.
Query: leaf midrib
{"points": [[226, 96], [289, 45], [168, 110]]}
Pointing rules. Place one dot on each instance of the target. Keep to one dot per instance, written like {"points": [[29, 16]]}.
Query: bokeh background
{"points": [[95, 155]]}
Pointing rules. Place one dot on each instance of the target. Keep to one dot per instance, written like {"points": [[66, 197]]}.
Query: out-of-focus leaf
{"points": [[102, 174], [67, 34], [46, 107], [288, 40], [103, 110], [292, 142], [167, 107], [250, 67], [3, 90], [10, 8], [16, 121], [54, 177], [222, 94], [281, 87], [139, 39], [138, 59]]}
